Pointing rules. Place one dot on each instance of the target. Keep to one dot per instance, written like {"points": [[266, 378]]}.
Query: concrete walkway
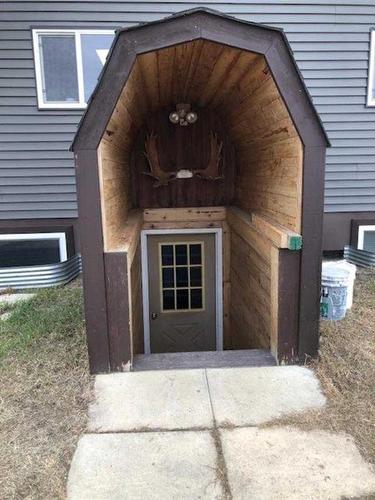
{"points": [[193, 434]]}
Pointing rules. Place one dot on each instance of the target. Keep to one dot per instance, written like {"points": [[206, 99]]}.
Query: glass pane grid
{"points": [[181, 276]]}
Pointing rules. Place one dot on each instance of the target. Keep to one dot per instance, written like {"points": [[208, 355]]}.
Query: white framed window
{"points": [[32, 249], [371, 71], [366, 238], [67, 65]]}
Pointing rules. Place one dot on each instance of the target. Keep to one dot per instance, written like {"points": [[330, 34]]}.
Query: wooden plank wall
{"points": [[235, 94], [268, 150], [126, 243], [250, 284], [114, 154], [236, 91], [183, 148]]}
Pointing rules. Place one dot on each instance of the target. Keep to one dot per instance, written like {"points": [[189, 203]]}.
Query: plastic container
{"points": [[352, 268], [334, 291]]}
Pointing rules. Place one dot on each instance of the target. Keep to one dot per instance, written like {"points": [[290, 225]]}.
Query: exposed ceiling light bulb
{"points": [[174, 117], [191, 117]]}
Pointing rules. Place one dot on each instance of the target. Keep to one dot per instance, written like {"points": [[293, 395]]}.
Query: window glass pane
{"points": [[182, 299], [196, 276], [195, 254], [182, 277], [168, 299], [59, 68], [168, 277], [14, 253], [167, 255], [196, 298], [94, 51], [181, 255], [369, 241]]}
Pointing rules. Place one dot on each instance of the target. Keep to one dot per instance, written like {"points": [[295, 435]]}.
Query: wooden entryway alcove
{"points": [[251, 168]]}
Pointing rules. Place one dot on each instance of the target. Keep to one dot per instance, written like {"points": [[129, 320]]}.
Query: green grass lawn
{"points": [[45, 388], [56, 313]]}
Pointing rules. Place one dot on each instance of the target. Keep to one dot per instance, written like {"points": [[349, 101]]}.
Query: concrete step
{"points": [[203, 359]]}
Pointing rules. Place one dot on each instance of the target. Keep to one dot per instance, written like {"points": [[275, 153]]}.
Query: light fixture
{"points": [[174, 117], [183, 115]]}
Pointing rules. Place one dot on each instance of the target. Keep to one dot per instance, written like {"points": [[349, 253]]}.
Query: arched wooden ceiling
{"points": [[239, 86], [237, 83]]}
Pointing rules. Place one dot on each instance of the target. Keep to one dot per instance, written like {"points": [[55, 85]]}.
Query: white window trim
{"points": [[218, 280], [38, 65], [40, 236], [371, 71], [361, 235]]}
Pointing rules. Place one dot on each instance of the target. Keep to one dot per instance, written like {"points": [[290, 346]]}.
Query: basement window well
{"points": [[33, 249], [366, 238]]}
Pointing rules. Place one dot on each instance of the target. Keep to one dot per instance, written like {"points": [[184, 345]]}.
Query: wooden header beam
{"points": [[280, 236]]}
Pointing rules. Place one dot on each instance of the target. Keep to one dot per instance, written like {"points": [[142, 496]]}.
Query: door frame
{"points": [[218, 232]]}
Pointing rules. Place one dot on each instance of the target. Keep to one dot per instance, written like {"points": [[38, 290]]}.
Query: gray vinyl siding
{"points": [[330, 40]]}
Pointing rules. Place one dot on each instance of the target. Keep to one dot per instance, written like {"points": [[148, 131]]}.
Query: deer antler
{"points": [[211, 172], [151, 151]]}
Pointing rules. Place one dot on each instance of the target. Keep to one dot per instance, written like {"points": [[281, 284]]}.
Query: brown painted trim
{"points": [[90, 225], [288, 305], [117, 309], [295, 95], [104, 98], [312, 223], [68, 226]]}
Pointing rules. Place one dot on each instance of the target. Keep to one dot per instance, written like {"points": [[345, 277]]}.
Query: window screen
{"points": [[68, 64], [16, 253], [59, 68], [369, 241]]}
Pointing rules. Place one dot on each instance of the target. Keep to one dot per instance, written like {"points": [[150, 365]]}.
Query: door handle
{"points": [[154, 315]]}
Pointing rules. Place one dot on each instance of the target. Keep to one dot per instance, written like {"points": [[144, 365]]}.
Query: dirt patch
{"points": [[346, 370], [45, 389]]}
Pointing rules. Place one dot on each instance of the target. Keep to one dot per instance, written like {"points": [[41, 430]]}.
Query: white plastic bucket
{"points": [[334, 291], [352, 268]]}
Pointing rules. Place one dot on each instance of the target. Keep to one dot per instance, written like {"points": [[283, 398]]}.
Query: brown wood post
{"points": [[116, 271], [90, 227], [311, 258], [285, 279]]}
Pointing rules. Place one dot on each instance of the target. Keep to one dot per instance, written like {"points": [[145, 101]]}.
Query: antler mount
{"points": [[163, 178]]}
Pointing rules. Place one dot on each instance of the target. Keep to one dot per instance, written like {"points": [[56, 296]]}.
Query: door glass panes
{"points": [[181, 254], [196, 276], [195, 254], [182, 299], [182, 281], [169, 300], [182, 277], [167, 258], [59, 68], [168, 277], [196, 298], [94, 52]]}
